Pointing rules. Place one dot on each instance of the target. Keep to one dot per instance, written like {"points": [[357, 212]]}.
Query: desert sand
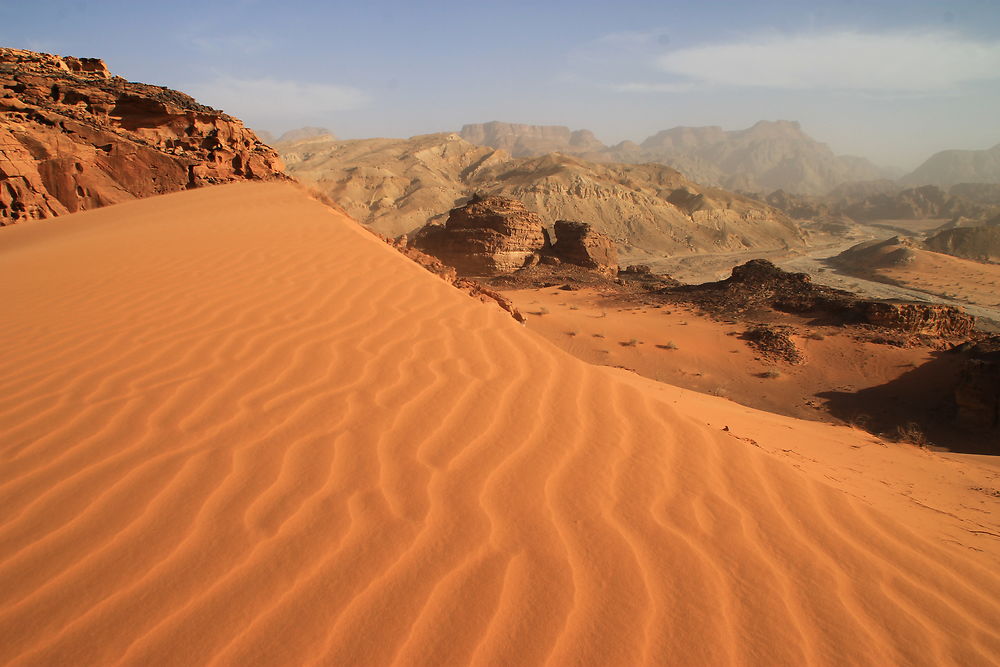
{"points": [[239, 429], [682, 346], [960, 280]]}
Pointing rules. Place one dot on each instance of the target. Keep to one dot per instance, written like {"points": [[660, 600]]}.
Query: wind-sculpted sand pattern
{"points": [[239, 430]]}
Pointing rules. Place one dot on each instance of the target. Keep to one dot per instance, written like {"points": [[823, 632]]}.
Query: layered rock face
{"points": [[579, 243], [74, 137], [487, 236]]}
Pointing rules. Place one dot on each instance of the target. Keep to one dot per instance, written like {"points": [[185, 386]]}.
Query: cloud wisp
{"points": [[269, 99], [901, 62]]}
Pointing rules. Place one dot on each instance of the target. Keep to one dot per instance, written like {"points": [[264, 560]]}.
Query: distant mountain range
{"points": [[771, 155], [397, 185]]}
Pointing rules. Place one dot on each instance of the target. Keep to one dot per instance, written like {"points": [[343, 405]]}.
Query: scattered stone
{"points": [[773, 343]]}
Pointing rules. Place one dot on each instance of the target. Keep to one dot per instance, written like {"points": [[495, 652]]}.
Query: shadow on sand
{"points": [[918, 406]]}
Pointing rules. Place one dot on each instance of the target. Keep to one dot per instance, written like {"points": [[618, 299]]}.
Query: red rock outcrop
{"points": [[487, 236], [74, 137], [918, 318], [579, 243]]}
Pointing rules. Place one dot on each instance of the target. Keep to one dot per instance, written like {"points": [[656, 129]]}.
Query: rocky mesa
{"points": [[75, 137], [498, 235]]}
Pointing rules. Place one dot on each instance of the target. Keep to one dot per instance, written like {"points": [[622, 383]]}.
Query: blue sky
{"points": [[893, 81]]}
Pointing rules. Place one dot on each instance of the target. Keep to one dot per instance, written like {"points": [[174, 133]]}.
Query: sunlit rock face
{"points": [[74, 137]]}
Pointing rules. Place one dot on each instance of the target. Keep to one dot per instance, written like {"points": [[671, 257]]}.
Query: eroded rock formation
{"points": [[759, 284], [918, 318], [487, 236], [579, 243], [74, 137]]}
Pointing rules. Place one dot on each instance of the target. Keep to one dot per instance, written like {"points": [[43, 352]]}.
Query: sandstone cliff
{"points": [[398, 185], [74, 137]]}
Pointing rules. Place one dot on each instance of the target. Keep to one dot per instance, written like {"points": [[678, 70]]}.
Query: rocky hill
{"points": [[884, 200], [951, 167], [765, 157], [980, 243], [398, 185], [74, 137]]}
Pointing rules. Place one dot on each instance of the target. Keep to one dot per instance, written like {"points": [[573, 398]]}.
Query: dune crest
{"points": [[239, 429]]}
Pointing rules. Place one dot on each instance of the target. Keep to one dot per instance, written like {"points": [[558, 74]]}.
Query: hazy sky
{"points": [[893, 81]]}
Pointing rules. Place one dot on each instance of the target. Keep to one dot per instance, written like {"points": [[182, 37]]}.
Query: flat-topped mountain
{"points": [[531, 140], [768, 156], [397, 185], [74, 137], [951, 167]]}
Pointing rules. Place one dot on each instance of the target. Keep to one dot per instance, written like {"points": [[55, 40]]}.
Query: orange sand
{"points": [[237, 429], [840, 379]]}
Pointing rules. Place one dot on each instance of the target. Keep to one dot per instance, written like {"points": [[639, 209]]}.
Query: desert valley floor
{"points": [[239, 429]]}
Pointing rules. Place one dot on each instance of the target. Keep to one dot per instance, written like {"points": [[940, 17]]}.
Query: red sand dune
{"points": [[238, 429]]}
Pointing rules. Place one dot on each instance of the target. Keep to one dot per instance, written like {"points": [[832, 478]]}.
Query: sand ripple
{"points": [[239, 430]]}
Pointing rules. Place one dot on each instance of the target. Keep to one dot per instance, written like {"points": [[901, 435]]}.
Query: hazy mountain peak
{"points": [[303, 133], [957, 166]]}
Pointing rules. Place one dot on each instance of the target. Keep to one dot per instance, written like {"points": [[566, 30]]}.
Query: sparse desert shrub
{"points": [[629, 343], [598, 335], [571, 333], [815, 335], [668, 346], [912, 433], [541, 311], [770, 375]]}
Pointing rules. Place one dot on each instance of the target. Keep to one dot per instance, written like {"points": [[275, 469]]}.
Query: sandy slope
{"points": [[237, 428], [683, 347]]}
